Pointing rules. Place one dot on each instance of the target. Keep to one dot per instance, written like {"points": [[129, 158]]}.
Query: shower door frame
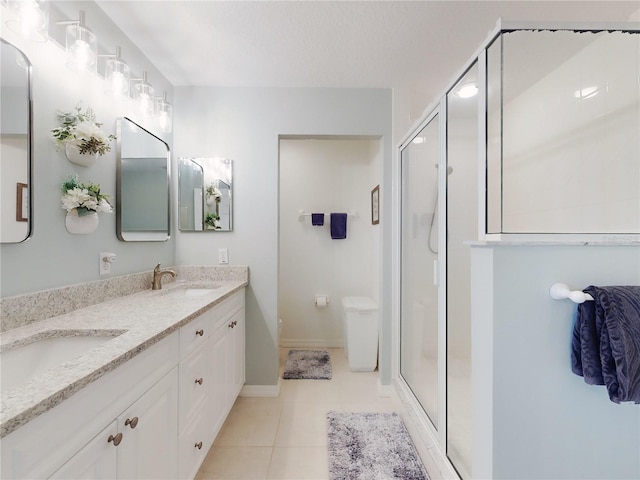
{"points": [[437, 435]]}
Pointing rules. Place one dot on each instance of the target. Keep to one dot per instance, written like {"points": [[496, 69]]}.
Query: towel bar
{"points": [[302, 213], [560, 291]]}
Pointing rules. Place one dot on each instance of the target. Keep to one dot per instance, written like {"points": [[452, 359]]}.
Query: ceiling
{"points": [[417, 45]]}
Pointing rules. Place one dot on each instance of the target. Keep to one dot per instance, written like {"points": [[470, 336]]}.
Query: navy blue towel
{"points": [[605, 346], [338, 226], [317, 219]]}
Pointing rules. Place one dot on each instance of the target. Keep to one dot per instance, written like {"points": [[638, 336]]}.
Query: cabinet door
{"points": [[96, 460], [149, 447], [221, 348], [237, 367]]}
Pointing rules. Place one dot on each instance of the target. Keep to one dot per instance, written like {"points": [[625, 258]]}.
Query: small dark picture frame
{"points": [[22, 202], [375, 205]]}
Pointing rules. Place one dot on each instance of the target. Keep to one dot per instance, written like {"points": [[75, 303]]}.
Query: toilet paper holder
{"points": [[321, 301]]}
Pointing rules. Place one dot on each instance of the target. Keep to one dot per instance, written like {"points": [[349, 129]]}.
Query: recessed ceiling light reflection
{"points": [[467, 90], [586, 92]]}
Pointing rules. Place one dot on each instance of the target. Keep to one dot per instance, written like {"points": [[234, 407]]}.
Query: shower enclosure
{"points": [[515, 149]]}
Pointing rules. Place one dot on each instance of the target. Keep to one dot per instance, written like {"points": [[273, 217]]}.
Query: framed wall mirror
{"points": [[15, 145], [205, 197], [142, 184]]}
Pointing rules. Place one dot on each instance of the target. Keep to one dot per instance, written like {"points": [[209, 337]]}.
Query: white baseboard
{"points": [[424, 437], [384, 390], [260, 390], [291, 343]]}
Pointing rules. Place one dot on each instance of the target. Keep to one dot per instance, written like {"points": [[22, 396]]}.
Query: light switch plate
{"points": [[223, 256]]}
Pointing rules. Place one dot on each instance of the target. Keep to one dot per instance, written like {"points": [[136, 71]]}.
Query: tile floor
{"points": [[286, 437]]}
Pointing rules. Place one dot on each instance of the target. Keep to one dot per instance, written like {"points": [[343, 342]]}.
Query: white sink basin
{"points": [[21, 363], [191, 289]]}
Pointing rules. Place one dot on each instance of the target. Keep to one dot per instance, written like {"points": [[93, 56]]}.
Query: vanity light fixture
{"points": [[82, 45], [143, 94], [31, 19], [117, 75], [164, 113]]}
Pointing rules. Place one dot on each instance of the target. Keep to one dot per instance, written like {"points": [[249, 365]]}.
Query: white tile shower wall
{"points": [[582, 166], [325, 176]]}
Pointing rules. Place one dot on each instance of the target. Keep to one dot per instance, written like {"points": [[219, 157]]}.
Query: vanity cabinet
{"points": [[211, 376], [45, 444], [163, 408], [140, 443]]}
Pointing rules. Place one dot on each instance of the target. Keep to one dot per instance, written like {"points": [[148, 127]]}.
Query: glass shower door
{"points": [[419, 252]]}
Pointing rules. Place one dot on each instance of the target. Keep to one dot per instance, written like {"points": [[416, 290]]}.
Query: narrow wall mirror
{"points": [[205, 194], [15, 145], [142, 185]]}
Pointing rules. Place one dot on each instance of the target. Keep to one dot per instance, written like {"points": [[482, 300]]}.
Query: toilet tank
{"points": [[360, 321]]}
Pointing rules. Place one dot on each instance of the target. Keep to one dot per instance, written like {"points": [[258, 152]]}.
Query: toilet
{"points": [[360, 322]]}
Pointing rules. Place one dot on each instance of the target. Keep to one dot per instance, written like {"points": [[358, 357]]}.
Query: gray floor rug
{"points": [[307, 364], [371, 446]]}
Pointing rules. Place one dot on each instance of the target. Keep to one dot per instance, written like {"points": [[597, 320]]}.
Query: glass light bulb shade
{"points": [[31, 20], [82, 48], [144, 99], [164, 113], [117, 77]]}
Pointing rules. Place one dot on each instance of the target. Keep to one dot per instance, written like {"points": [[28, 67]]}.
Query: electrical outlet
{"points": [[223, 256], [106, 259]]}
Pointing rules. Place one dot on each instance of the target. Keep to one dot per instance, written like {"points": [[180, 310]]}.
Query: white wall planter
{"points": [[81, 224], [72, 151]]}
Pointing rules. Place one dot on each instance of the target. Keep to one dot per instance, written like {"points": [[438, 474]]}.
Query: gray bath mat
{"points": [[307, 364], [371, 446]]}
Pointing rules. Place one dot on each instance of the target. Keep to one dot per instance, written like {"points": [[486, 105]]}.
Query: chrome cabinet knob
{"points": [[199, 381], [115, 439], [200, 332], [198, 445]]}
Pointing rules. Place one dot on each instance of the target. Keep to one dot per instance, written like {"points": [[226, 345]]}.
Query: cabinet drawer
{"points": [[196, 382], [197, 434], [225, 310], [195, 333]]}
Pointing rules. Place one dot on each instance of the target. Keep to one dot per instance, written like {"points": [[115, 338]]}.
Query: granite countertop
{"points": [[139, 320]]}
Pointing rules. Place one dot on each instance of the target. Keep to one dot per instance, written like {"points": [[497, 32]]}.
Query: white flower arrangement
{"points": [[85, 198], [212, 191], [82, 128]]}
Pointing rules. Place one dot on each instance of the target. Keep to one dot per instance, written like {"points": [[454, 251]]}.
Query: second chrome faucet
{"points": [[157, 277]]}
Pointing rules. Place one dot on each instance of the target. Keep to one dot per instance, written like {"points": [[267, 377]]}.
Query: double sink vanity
{"points": [[136, 386]]}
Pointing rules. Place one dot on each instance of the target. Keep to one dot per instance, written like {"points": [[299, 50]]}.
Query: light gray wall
{"points": [[244, 124], [53, 257], [547, 423]]}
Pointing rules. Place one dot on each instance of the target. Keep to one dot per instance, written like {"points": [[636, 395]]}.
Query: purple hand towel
{"points": [[606, 341], [338, 226], [317, 219]]}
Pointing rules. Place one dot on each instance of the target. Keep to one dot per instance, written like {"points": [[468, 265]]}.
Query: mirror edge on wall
{"points": [[29, 144], [122, 235]]}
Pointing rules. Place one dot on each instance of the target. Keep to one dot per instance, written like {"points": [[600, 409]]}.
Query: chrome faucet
{"points": [[157, 277]]}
